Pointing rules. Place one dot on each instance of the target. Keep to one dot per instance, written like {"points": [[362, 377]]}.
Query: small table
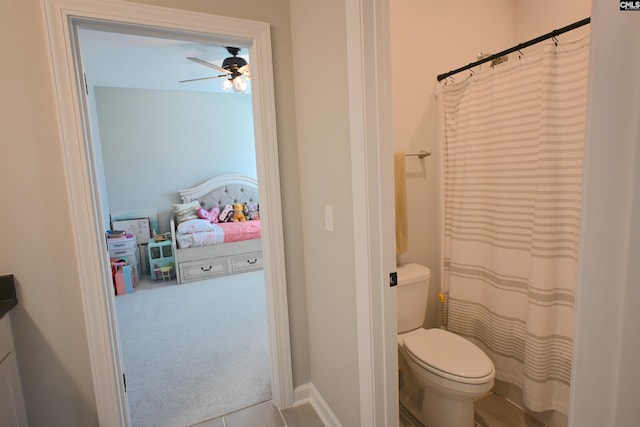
{"points": [[166, 273]]}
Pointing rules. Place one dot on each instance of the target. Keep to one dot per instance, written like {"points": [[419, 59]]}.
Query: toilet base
{"points": [[412, 402], [411, 392], [461, 417], [440, 410]]}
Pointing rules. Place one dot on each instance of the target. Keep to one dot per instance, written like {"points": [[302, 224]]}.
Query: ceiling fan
{"points": [[235, 71]]}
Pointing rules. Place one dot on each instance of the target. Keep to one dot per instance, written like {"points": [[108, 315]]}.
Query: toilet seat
{"points": [[448, 355]]}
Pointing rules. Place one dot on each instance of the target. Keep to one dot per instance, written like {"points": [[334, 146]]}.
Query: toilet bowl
{"points": [[452, 371], [442, 373]]}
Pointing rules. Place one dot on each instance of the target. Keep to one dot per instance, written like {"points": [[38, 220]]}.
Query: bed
{"points": [[224, 250]]}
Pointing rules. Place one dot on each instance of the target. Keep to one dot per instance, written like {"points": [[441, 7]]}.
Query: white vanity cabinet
{"points": [[12, 412]]}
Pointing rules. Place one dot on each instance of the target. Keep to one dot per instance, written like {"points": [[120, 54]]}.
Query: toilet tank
{"points": [[413, 292]]}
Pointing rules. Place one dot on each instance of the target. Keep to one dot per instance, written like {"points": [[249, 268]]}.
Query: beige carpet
{"points": [[195, 351]]}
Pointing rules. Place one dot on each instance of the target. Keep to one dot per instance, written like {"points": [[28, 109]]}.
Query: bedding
{"points": [[215, 234], [195, 226], [201, 238]]}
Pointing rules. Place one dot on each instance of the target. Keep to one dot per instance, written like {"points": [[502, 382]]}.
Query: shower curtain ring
{"points": [[555, 40], [520, 54]]}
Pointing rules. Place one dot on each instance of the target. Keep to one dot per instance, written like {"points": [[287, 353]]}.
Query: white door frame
{"points": [[369, 75], [98, 303]]}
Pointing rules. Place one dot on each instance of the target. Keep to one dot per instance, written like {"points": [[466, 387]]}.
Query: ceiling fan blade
{"points": [[201, 78], [209, 64]]}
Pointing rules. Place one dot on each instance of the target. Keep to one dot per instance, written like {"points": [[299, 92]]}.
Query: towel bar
{"points": [[420, 154]]}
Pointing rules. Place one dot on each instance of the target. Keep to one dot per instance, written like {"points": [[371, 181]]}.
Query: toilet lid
{"points": [[448, 355]]}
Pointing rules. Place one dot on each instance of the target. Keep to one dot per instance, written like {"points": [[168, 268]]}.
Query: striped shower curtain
{"points": [[513, 151]]}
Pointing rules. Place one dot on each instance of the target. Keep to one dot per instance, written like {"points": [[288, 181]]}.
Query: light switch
{"points": [[328, 217]]}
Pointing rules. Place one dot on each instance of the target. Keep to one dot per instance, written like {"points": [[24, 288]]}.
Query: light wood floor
{"points": [[490, 411]]}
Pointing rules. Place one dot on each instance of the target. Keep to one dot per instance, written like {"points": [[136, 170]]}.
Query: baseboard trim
{"points": [[308, 393]]}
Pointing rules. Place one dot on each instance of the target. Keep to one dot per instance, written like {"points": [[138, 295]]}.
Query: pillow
{"points": [[211, 215], [195, 225], [226, 214], [186, 211]]}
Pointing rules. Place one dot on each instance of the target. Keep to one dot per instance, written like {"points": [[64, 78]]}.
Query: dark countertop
{"points": [[8, 297], [6, 306]]}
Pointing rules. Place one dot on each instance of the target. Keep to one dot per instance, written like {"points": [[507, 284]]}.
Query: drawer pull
{"points": [[206, 269], [252, 262]]}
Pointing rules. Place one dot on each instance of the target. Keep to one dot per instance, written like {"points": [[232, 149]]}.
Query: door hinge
{"points": [[124, 381], [393, 279], [86, 85]]}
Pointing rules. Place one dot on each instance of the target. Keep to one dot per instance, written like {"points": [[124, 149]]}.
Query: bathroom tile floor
{"points": [[266, 415], [490, 411]]}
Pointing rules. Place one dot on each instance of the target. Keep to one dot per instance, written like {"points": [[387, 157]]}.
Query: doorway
{"points": [[88, 224], [151, 136]]}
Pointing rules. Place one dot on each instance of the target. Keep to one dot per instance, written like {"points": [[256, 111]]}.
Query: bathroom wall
{"points": [[430, 37], [607, 345], [48, 323], [533, 18]]}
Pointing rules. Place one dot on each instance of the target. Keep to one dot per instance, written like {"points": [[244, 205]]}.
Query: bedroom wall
{"points": [[155, 143], [96, 145]]}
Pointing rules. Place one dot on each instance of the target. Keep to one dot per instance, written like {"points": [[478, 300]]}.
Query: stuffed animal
{"points": [[238, 215], [226, 214], [254, 211], [212, 214]]}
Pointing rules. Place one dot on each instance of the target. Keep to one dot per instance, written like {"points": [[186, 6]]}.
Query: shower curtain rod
{"points": [[547, 36]]}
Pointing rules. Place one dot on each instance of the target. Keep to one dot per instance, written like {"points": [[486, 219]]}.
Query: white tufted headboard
{"points": [[223, 190]]}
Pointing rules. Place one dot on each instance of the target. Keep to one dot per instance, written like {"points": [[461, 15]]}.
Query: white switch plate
{"points": [[328, 217]]}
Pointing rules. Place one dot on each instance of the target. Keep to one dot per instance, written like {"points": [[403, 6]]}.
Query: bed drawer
{"points": [[197, 270], [246, 262]]}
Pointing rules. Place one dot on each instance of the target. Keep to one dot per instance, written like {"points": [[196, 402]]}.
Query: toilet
{"points": [[441, 373]]}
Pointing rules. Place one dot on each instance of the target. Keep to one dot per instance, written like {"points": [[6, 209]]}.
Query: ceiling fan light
{"points": [[226, 85], [239, 84]]}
